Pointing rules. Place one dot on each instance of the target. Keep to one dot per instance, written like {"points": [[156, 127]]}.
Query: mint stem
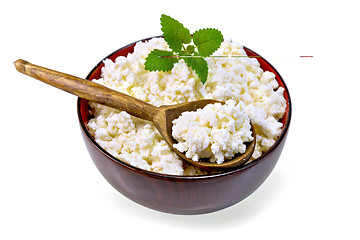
{"points": [[214, 56]]}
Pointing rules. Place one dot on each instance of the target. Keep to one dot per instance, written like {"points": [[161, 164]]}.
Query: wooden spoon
{"points": [[162, 116]]}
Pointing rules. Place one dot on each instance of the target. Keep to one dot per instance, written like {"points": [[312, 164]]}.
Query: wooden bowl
{"points": [[183, 194]]}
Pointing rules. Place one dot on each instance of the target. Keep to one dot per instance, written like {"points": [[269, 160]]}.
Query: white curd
{"points": [[138, 142]]}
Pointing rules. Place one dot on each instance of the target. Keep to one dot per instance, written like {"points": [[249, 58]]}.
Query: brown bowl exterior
{"points": [[183, 194]]}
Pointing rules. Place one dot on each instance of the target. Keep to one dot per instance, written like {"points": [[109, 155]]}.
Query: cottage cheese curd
{"points": [[138, 142], [216, 132]]}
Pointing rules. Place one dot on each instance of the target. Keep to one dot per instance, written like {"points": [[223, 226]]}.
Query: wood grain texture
{"points": [[162, 117], [89, 90]]}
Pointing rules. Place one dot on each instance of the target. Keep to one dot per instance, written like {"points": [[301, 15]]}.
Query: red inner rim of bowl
{"points": [[266, 66]]}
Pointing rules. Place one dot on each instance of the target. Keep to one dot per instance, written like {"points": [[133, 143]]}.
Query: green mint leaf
{"points": [[199, 65], [160, 60], [174, 32], [207, 41], [190, 49]]}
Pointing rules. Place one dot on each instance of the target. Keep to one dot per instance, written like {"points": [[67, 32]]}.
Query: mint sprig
{"points": [[207, 41], [175, 33], [160, 60], [191, 48], [199, 65]]}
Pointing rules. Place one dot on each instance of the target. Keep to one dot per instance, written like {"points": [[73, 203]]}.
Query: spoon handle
{"points": [[89, 90]]}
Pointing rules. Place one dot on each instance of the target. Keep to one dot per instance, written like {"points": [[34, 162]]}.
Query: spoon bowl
{"points": [[162, 116], [163, 122]]}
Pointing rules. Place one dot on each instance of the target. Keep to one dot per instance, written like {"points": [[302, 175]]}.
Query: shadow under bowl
{"points": [[183, 194]]}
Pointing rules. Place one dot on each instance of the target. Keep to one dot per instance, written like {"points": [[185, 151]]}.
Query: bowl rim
{"points": [[185, 177]]}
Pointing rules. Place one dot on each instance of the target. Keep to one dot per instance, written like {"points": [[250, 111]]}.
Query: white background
{"points": [[49, 187]]}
